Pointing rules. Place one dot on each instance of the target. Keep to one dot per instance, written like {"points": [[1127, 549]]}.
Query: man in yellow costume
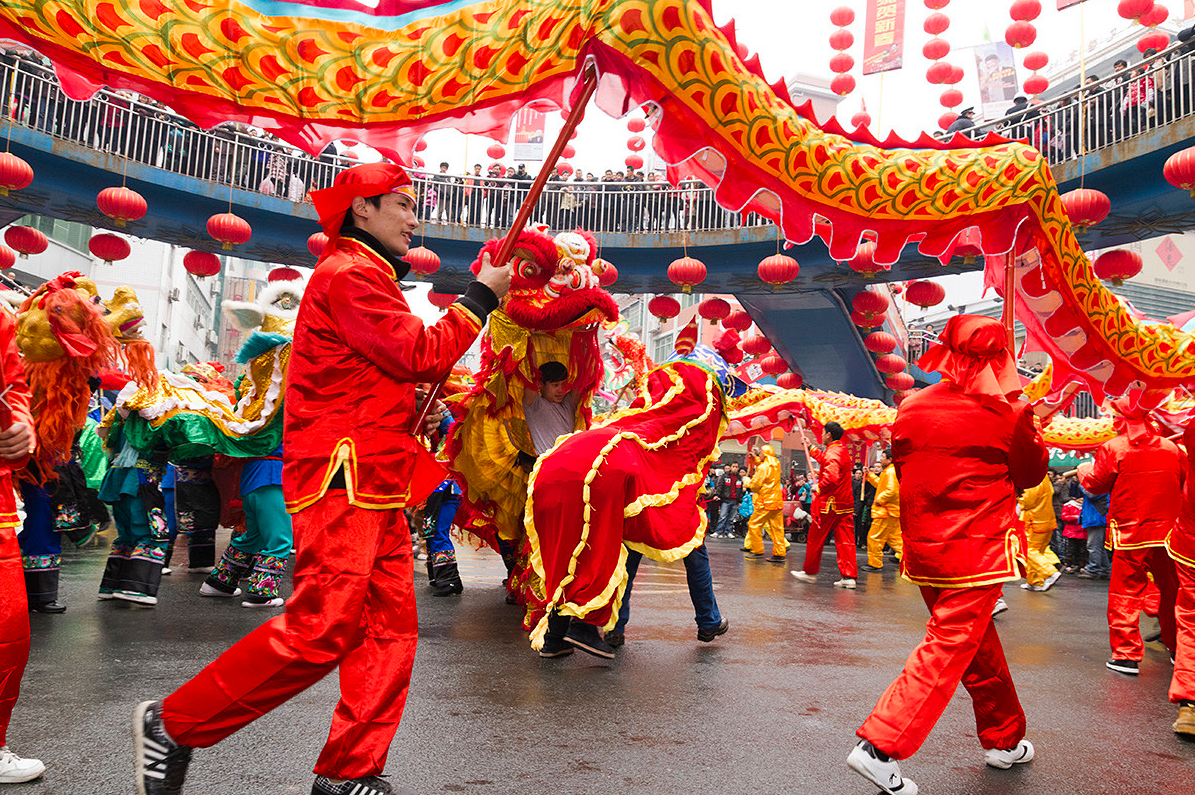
{"points": [[1037, 512], [769, 506], [885, 514]]}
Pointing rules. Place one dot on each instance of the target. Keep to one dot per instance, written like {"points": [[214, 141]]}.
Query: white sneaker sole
{"points": [[856, 761], [216, 593], [1005, 764], [139, 743], [275, 602], [139, 599], [20, 777]]}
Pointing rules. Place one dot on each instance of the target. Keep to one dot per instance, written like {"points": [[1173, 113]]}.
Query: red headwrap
{"points": [[973, 353], [370, 179], [1133, 421]]}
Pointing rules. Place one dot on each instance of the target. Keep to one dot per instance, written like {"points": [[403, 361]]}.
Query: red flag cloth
{"points": [[633, 481], [370, 179], [973, 353]]}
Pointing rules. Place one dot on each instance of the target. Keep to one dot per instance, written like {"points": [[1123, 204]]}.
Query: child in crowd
{"points": [[1074, 550]]}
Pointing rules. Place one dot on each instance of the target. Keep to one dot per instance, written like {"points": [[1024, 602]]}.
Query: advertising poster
{"points": [[529, 136], [997, 70], [883, 36]]}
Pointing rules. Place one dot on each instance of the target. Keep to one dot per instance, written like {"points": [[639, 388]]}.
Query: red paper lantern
{"points": [[936, 4], [790, 381], [1179, 170], [891, 363], [1156, 40], [713, 310], [122, 205], [420, 145], [1020, 34], [947, 119], [1134, 9], [841, 40], [1025, 10], [317, 243], [441, 301], [564, 169], [778, 270], [284, 273], [900, 382], [869, 304], [109, 248], [1117, 265], [738, 320], [861, 119], [231, 230], [842, 63], [686, 272], [201, 263], [1155, 16], [899, 396], [756, 345], [495, 151], [636, 125], [25, 240], [423, 261], [772, 364], [935, 49], [956, 75], [568, 152], [866, 321], [8, 257], [925, 293], [1036, 60], [936, 24], [1036, 84], [634, 161], [842, 85], [842, 16], [15, 173], [606, 272], [1086, 207], [938, 73], [635, 143], [880, 342], [864, 260], [663, 307], [951, 97]]}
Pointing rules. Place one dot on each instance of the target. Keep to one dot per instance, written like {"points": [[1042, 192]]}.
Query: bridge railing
{"points": [[126, 125], [1110, 110]]}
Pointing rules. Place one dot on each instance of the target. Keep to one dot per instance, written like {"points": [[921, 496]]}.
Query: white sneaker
{"points": [[15, 769], [421, 556], [846, 582], [208, 590], [1005, 759], [167, 571], [137, 598], [803, 577], [1027, 587], [1049, 583], [1001, 606], [276, 601], [885, 775]]}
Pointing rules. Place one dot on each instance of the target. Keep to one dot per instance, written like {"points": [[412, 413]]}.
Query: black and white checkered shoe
{"points": [[161, 763], [373, 785]]}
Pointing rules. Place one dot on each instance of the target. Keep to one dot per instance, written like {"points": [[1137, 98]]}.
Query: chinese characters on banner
{"points": [[529, 135], [883, 36], [997, 72]]}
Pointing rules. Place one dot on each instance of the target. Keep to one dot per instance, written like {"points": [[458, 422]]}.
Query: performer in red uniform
{"points": [[350, 466], [1143, 473], [833, 511], [1181, 546], [16, 443], [962, 448]]}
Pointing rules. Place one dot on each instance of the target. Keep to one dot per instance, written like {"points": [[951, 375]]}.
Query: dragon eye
{"points": [[528, 269]]}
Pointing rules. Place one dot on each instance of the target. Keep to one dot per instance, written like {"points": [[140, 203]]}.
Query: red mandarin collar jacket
{"points": [[1145, 483], [834, 493], [18, 399], [960, 460], [350, 398], [1181, 541]]}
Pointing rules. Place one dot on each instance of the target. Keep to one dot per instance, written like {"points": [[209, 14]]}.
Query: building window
{"points": [[633, 314], [661, 346], [66, 232]]}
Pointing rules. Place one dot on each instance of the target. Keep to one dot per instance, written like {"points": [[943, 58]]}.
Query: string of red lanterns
{"points": [[841, 40], [1022, 33], [940, 71], [635, 143]]}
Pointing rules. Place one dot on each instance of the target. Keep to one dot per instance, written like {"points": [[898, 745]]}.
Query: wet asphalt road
{"points": [[771, 707]]}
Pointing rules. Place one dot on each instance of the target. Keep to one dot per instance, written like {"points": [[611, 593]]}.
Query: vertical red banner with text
{"points": [[884, 36]]}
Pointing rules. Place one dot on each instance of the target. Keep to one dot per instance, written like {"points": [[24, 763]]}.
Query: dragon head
{"points": [[553, 285], [276, 307], [124, 316], [63, 317]]}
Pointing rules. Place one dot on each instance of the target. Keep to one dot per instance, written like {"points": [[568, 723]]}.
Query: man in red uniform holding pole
{"points": [[1181, 546], [961, 448], [833, 511], [16, 443], [1143, 473], [351, 465]]}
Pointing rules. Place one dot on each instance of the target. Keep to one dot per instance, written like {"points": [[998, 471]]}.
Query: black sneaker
{"points": [[160, 762], [1123, 666], [1084, 574], [555, 647], [869, 567], [706, 635], [586, 638], [372, 785], [615, 639]]}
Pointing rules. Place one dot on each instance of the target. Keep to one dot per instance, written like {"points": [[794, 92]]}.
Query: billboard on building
{"points": [[529, 135], [997, 70], [883, 36]]}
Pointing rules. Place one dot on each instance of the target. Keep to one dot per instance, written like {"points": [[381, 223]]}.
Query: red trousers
{"points": [[1182, 684], [960, 645], [14, 626], [353, 606], [1127, 596], [842, 525]]}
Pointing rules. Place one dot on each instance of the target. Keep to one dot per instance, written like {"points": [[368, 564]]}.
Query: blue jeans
{"points": [[701, 589], [1097, 556], [730, 512]]}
